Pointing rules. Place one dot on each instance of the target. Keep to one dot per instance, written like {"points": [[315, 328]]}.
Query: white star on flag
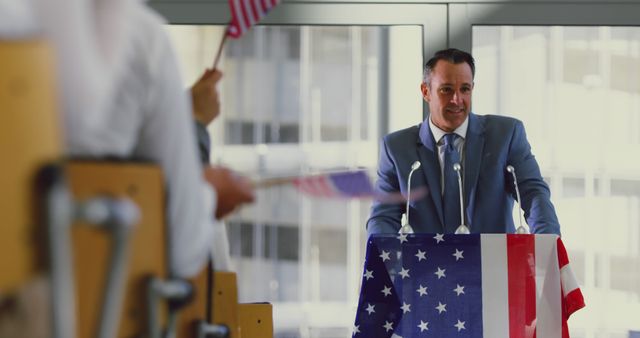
{"points": [[459, 289], [441, 307], [404, 273], [386, 291], [385, 256], [421, 255], [368, 274], [402, 238], [460, 325], [440, 273], [370, 309], [439, 238], [422, 290], [458, 254], [356, 329], [423, 326], [405, 307], [388, 326]]}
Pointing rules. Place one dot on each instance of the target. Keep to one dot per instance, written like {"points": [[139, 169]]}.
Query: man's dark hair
{"points": [[451, 55]]}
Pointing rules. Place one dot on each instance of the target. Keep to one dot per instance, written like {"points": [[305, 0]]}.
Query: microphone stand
{"points": [[521, 229], [406, 227], [462, 229]]}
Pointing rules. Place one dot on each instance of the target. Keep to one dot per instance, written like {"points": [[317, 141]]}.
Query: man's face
{"points": [[449, 94]]}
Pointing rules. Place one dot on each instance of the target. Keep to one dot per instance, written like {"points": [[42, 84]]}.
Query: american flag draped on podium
{"points": [[478, 285]]}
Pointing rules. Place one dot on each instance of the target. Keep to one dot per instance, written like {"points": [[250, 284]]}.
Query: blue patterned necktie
{"points": [[451, 196]]}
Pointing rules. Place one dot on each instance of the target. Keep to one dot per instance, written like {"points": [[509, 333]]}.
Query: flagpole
{"points": [[219, 53]]}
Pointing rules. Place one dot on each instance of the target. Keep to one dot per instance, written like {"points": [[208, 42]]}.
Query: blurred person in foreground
{"points": [[150, 118], [122, 96], [484, 146]]}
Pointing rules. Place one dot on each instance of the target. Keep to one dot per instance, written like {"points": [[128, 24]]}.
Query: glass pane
{"points": [[318, 78], [577, 91], [265, 65]]}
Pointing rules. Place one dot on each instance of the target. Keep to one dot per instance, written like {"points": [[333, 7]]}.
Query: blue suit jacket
{"points": [[492, 143]]}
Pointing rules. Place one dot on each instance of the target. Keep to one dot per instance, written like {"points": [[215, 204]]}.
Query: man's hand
{"points": [[232, 189], [204, 96]]}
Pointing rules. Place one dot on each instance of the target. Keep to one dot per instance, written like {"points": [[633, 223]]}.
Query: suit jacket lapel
{"points": [[428, 154], [474, 145]]}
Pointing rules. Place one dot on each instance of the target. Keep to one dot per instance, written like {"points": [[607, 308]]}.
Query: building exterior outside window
{"points": [[577, 91]]}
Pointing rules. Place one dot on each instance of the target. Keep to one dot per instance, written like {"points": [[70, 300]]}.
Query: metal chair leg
{"points": [[176, 292], [206, 330]]}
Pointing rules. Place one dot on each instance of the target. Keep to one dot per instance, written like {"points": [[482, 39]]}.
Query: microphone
{"points": [[406, 228], [521, 229], [462, 229]]}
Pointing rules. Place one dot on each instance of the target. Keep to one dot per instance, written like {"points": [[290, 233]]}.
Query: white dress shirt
{"points": [[438, 135], [150, 118], [122, 95]]}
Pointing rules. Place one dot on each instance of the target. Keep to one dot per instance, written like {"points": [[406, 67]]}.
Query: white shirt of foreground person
{"points": [[127, 103], [87, 38], [150, 119]]}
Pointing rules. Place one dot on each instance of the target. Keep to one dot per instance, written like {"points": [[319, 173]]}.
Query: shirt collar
{"points": [[438, 133]]}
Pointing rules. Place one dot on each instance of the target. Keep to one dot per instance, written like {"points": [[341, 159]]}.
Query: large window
{"points": [[297, 100], [308, 98], [577, 91]]}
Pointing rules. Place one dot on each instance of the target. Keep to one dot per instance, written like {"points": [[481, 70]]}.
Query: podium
{"points": [[477, 285]]}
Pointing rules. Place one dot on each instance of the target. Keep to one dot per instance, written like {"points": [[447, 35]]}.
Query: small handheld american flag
{"points": [[354, 184], [246, 13], [342, 184]]}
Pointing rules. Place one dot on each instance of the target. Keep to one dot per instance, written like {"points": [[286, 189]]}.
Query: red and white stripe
{"points": [[535, 295], [246, 13], [573, 299], [318, 186]]}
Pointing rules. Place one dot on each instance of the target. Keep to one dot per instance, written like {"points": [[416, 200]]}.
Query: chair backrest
{"points": [[143, 184], [256, 320], [221, 302], [29, 137], [249, 320], [225, 301]]}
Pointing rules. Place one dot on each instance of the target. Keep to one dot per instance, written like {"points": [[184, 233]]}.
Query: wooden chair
{"points": [[246, 320], [256, 320], [221, 307], [143, 184], [29, 137]]}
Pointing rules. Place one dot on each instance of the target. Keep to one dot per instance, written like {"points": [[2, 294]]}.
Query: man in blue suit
{"points": [[483, 145]]}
